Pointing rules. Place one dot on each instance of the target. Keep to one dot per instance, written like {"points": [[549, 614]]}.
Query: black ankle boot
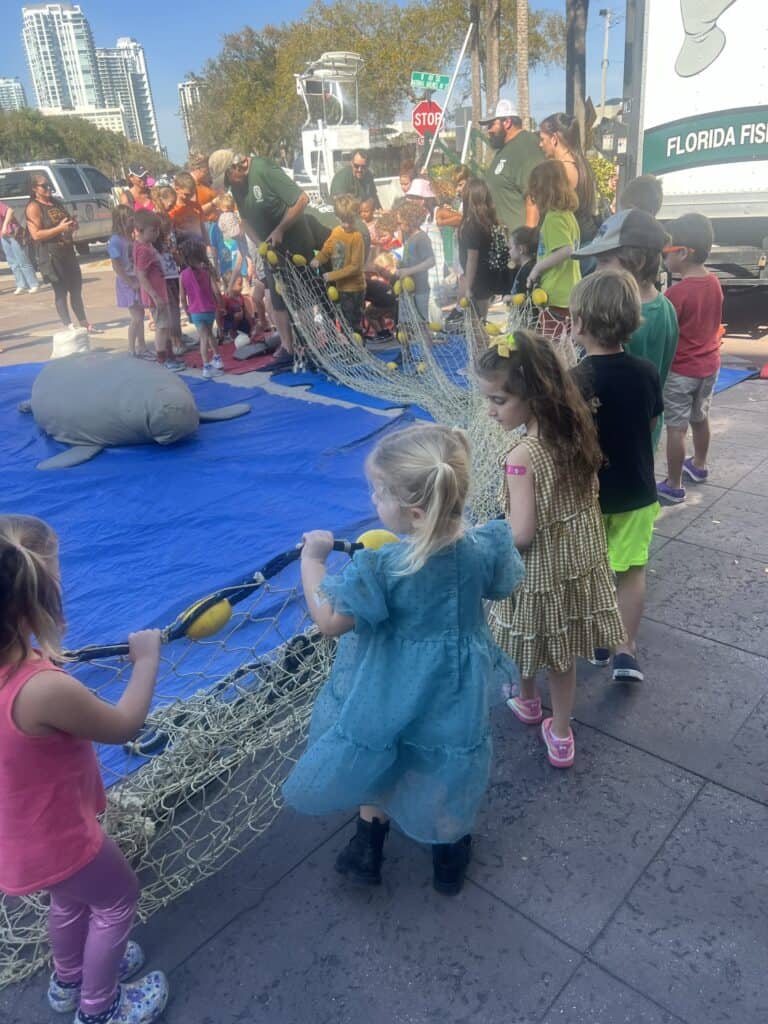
{"points": [[449, 864], [361, 858]]}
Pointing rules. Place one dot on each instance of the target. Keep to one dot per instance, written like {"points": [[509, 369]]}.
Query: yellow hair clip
{"points": [[505, 346]]}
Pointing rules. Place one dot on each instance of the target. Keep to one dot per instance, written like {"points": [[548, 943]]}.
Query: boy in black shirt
{"points": [[626, 397]]}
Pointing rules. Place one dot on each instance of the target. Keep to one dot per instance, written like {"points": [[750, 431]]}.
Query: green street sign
{"points": [[425, 80]]}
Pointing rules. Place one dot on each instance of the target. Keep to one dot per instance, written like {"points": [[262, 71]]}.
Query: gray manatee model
{"points": [[98, 401], [704, 39]]}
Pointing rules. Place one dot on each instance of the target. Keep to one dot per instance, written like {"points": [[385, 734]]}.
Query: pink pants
{"points": [[89, 922]]}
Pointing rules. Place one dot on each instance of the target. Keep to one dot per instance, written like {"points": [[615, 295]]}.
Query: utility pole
{"points": [[610, 20]]}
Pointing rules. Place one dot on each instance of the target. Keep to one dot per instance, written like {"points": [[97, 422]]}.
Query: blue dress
{"points": [[402, 721]]}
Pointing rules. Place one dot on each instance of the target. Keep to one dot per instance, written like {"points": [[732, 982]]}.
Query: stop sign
{"points": [[426, 117]]}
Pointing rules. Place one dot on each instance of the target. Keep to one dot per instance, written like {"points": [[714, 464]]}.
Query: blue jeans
{"points": [[18, 261]]}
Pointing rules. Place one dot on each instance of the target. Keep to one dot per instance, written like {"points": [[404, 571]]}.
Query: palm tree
{"points": [[523, 94], [576, 13]]}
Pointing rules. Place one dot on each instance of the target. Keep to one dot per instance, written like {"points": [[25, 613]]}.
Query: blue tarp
{"points": [[144, 531]]}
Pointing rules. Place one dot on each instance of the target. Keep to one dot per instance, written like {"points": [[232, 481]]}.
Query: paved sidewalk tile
{"points": [[711, 593], [735, 523], [319, 950], [564, 847], [698, 698], [692, 934], [593, 997]]}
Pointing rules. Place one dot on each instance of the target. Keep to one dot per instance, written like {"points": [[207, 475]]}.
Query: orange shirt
{"points": [[188, 217], [206, 195]]}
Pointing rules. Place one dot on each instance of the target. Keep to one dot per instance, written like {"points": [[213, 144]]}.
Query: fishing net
{"points": [[202, 781]]}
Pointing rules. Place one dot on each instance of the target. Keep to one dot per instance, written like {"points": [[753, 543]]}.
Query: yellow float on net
{"points": [[492, 329], [278, 288], [463, 303], [518, 299], [397, 288], [333, 294], [263, 249], [539, 297], [421, 367], [272, 258], [409, 284], [299, 260], [357, 337], [435, 326], [391, 366], [402, 337]]}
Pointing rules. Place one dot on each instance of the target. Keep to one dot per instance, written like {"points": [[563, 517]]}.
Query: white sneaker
{"points": [[36, 288], [210, 371], [19, 291], [217, 363]]}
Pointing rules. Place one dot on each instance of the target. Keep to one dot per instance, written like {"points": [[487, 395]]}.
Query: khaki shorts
{"points": [[687, 399], [162, 316]]}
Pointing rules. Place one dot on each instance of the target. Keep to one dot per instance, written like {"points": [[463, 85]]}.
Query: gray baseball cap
{"points": [[628, 227]]}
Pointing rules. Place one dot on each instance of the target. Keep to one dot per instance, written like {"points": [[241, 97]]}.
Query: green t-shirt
{"points": [[508, 175], [558, 229], [262, 201], [656, 340], [346, 183]]}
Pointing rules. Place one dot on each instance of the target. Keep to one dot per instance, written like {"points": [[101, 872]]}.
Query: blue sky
{"points": [[178, 39]]}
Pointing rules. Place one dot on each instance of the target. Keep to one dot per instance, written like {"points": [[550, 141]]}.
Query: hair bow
{"points": [[505, 345]]}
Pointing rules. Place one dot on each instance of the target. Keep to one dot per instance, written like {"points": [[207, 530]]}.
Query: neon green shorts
{"points": [[629, 536]]}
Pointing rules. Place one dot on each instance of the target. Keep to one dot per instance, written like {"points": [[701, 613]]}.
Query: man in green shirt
{"points": [[517, 153], [272, 209], [356, 180]]}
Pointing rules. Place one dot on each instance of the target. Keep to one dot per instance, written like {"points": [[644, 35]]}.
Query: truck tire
{"points": [[82, 248]]}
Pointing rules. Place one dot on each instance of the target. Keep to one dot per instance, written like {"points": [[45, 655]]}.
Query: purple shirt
{"points": [[121, 250]]}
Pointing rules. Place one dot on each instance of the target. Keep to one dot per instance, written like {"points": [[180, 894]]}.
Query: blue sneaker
{"points": [[625, 667], [670, 495], [66, 998], [601, 657], [692, 471]]}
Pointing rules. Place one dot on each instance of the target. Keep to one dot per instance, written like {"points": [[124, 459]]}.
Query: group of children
{"points": [[171, 258], [401, 728]]}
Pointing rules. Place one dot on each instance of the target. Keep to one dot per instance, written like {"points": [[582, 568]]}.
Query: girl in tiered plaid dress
{"points": [[566, 605]]}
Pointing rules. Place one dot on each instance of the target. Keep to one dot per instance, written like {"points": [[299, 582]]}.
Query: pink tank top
{"points": [[50, 794]]}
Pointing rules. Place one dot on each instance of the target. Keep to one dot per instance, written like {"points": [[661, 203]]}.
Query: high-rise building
{"points": [[125, 83], [61, 56], [189, 97], [12, 96]]}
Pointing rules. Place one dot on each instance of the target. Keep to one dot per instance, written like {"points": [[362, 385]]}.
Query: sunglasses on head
{"points": [[44, 184], [676, 248]]}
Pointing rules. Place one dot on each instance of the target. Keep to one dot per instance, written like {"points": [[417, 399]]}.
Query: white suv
{"points": [[86, 192]]}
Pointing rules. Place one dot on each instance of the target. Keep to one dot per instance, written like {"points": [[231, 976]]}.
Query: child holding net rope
{"points": [[401, 727], [51, 790], [566, 606]]}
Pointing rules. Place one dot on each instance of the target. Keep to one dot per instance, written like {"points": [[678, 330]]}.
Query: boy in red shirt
{"points": [[698, 301]]}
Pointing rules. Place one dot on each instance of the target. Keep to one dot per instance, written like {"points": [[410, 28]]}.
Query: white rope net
{"points": [[203, 779]]}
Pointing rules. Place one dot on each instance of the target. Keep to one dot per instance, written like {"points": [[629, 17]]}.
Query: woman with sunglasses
{"points": [[51, 227]]}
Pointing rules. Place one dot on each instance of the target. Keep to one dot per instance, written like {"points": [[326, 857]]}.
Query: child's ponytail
{"points": [[530, 368], [30, 595], [426, 468]]}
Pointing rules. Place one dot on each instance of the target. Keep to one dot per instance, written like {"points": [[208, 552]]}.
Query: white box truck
{"points": [[696, 93]]}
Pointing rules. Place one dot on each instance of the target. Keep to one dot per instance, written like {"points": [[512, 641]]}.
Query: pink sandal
{"points": [[528, 711]]}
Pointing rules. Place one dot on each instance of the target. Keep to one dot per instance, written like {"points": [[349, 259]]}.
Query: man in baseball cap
{"points": [[517, 153]]}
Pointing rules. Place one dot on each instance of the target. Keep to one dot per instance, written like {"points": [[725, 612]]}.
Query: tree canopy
{"points": [[248, 91], [26, 135]]}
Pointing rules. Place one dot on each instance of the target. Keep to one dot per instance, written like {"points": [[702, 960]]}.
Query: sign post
{"points": [[426, 117]]}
